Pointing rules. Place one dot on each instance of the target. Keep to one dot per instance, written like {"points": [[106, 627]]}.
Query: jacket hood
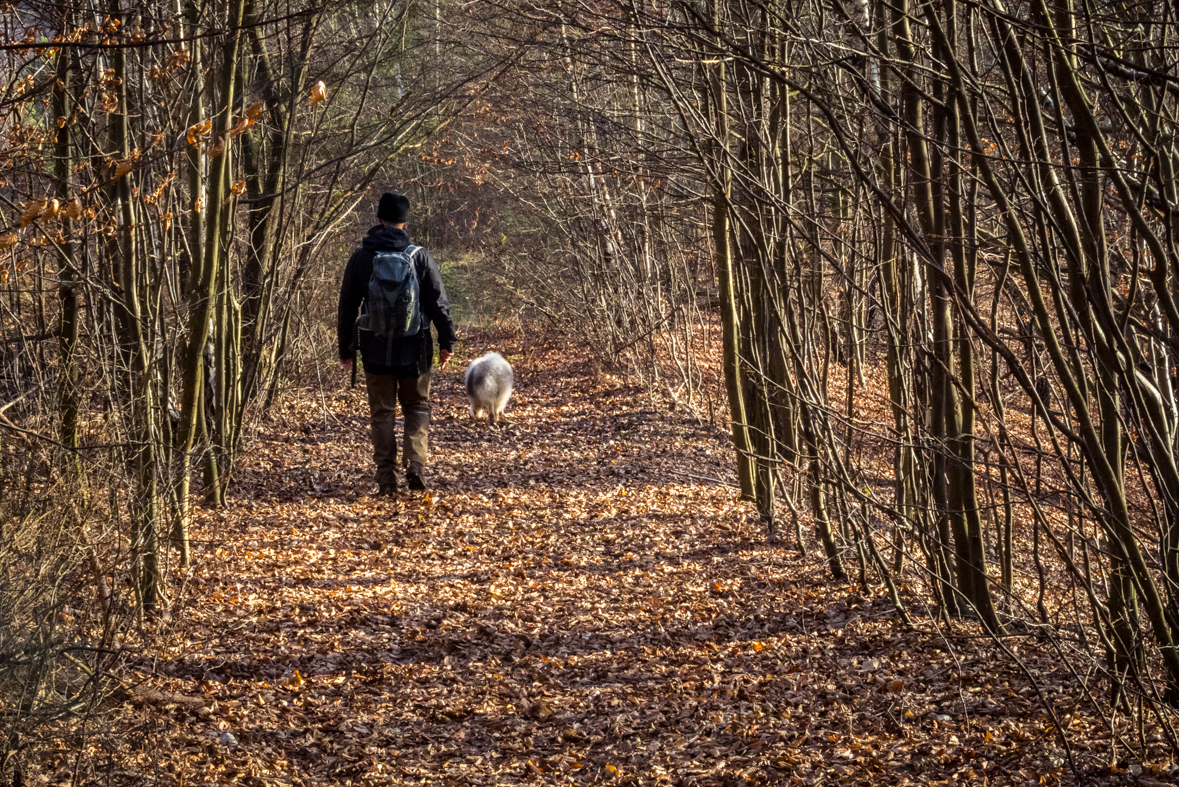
{"points": [[385, 238]]}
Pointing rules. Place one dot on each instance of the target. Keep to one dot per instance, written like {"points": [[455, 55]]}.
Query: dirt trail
{"points": [[564, 607]]}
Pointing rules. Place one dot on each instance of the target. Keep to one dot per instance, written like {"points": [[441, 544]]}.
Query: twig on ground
{"points": [[705, 478]]}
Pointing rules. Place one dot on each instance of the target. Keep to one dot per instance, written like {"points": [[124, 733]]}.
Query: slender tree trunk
{"points": [[202, 301], [68, 393], [730, 321]]}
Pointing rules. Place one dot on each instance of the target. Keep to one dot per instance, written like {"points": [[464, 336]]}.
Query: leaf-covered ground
{"points": [[574, 602]]}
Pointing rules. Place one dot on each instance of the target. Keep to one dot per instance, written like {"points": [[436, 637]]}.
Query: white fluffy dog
{"points": [[489, 382]]}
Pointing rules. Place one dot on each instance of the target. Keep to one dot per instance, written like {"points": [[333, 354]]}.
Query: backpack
{"points": [[393, 307]]}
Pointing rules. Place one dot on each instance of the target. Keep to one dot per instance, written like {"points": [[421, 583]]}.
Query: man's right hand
{"points": [[346, 363]]}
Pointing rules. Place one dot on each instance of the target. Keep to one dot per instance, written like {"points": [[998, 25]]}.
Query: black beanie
{"points": [[393, 208]]}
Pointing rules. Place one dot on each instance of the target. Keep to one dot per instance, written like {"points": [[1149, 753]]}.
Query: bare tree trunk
{"points": [[730, 321], [207, 268], [68, 392]]}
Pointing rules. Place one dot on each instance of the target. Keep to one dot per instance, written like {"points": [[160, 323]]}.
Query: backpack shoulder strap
{"points": [[415, 261]]}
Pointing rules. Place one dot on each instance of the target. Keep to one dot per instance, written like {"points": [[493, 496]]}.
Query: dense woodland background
{"points": [[919, 257]]}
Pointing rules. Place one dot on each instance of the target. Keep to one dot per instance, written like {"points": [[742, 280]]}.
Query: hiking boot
{"points": [[414, 479], [387, 490]]}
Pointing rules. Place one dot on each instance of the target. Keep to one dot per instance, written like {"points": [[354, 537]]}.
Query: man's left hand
{"points": [[443, 357]]}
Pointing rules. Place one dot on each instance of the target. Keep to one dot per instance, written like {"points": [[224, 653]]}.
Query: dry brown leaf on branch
{"points": [[32, 210], [237, 188], [242, 125], [198, 130], [127, 164], [318, 93]]}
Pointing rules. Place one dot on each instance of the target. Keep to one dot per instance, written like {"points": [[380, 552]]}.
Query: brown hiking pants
{"points": [[384, 392]]}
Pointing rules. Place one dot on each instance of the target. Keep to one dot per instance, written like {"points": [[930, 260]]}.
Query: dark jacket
{"points": [[409, 357]]}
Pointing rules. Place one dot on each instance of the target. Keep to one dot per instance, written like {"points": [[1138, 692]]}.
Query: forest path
{"points": [[563, 607]]}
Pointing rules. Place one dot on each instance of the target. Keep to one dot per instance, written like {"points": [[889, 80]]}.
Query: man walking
{"points": [[395, 339]]}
